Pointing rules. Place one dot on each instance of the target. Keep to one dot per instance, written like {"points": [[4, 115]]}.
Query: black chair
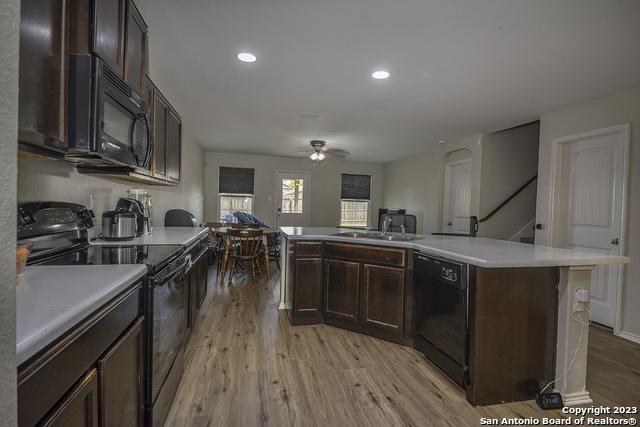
{"points": [[179, 218], [397, 220]]}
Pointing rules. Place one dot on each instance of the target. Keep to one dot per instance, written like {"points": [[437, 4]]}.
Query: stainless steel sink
{"points": [[376, 235]]}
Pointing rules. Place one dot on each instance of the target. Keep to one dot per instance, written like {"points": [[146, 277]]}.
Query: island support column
{"points": [[573, 337]]}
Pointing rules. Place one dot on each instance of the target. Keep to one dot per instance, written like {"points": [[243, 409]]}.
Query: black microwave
{"points": [[108, 121]]}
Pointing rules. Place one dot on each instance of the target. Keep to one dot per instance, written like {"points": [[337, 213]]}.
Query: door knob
{"points": [[615, 241]]}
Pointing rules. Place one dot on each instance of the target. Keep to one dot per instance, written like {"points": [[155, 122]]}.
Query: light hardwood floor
{"points": [[246, 366]]}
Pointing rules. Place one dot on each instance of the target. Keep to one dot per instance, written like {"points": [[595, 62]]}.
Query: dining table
{"points": [[222, 232]]}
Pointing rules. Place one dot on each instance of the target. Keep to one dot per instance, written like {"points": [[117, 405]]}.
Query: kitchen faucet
{"points": [[385, 225]]}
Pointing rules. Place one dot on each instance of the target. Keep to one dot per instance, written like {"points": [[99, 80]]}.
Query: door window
{"points": [[292, 196]]}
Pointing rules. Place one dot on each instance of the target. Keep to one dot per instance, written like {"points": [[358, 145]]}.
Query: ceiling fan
{"points": [[320, 152]]}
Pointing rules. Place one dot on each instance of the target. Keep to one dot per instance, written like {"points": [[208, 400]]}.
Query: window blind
{"points": [[356, 187], [236, 180]]}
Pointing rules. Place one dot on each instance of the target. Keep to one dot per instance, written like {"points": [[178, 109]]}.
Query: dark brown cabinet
{"points": [[308, 296], [174, 144], [43, 73], [80, 408], [167, 135], [92, 375], [383, 297], [342, 287], [197, 278], [109, 32], [135, 61], [160, 110], [120, 373]]}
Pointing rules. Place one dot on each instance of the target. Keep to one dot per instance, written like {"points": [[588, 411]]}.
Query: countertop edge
{"points": [[461, 257], [31, 345]]}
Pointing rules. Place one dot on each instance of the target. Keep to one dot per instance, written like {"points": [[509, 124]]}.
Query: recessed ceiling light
{"points": [[247, 57], [380, 74]]}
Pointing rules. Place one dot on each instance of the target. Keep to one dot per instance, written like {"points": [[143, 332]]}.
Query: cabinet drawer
{"points": [[308, 249], [368, 254]]}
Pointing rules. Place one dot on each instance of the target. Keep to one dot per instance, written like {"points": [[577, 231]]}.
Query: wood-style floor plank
{"points": [[247, 366]]}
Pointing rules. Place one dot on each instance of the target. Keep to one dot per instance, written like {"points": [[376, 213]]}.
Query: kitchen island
{"points": [[523, 329]]}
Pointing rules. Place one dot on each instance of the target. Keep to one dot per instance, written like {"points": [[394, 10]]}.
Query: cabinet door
{"points": [[120, 371], [342, 281], [174, 142], [147, 95], [193, 279], [308, 289], [383, 297], [204, 276], [160, 109], [43, 72], [135, 60], [80, 408], [109, 31]]}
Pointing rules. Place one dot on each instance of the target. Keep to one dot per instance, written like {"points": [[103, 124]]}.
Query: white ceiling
{"points": [[457, 67]]}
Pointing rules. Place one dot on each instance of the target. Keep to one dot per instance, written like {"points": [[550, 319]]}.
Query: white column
{"points": [[573, 337]]}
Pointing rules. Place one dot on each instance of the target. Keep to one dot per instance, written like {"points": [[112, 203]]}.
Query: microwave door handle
{"points": [[147, 159]]}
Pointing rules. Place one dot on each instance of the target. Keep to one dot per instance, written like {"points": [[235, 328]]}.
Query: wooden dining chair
{"points": [[243, 247]]}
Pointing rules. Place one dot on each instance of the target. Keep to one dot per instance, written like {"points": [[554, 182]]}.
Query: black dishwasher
{"points": [[441, 304]]}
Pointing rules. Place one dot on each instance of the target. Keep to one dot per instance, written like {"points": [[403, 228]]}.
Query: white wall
{"points": [[416, 183], [509, 159], [9, 34], [623, 107], [325, 185], [58, 180]]}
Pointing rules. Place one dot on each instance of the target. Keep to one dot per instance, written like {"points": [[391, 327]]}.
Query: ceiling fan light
{"points": [[314, 156], [321, 156]]}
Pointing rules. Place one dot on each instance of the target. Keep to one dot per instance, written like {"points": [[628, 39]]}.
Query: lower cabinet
{"points": [[383, 297], [197, 280], [80, 408], [93, 376], [359, 287], [120, 374], [342, 286]]}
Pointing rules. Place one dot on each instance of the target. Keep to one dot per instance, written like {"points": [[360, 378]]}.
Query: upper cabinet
{"points": [[109, 32], [167, 137], [174, 144], [135, 61], [43, 73], [115, 31]]}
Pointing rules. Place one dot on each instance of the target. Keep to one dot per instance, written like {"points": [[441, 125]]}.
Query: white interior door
{"points": [[456, 208], [595, 183], [292, 204]]}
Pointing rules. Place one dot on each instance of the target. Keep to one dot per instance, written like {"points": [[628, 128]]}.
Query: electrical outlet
{"points": [[582, 295]]}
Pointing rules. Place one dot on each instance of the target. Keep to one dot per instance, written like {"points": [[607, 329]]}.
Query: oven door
{"points": [[168, 293]]}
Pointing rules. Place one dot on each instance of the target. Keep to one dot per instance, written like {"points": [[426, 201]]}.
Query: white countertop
{"points": [[161, 236], [53, 299], [480, 251]]}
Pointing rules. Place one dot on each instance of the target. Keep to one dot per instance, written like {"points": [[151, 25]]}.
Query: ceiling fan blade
{"points": [[336, 153]]}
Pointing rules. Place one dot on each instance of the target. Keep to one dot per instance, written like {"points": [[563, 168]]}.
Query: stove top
{"points": [[153, 256]]}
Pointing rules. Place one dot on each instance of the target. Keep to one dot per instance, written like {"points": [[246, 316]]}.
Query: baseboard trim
{"points": [[629, 336], [527, 227], [577, 398]]}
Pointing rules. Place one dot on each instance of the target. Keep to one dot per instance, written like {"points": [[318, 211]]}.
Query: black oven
{"points": [[166, 311], [108, 121], [441, 304]]}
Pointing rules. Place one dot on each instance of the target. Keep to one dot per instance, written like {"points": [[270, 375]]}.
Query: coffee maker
{"points": [[135, 207], [141, 195]]}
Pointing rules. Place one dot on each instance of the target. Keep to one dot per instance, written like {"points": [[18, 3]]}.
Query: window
{"points": [[354, 213], [230, 203], [235, 186], [292, 196], [355, 198]]}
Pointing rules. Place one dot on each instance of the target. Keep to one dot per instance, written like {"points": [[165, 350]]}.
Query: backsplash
{"points": [[47, 180]]}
